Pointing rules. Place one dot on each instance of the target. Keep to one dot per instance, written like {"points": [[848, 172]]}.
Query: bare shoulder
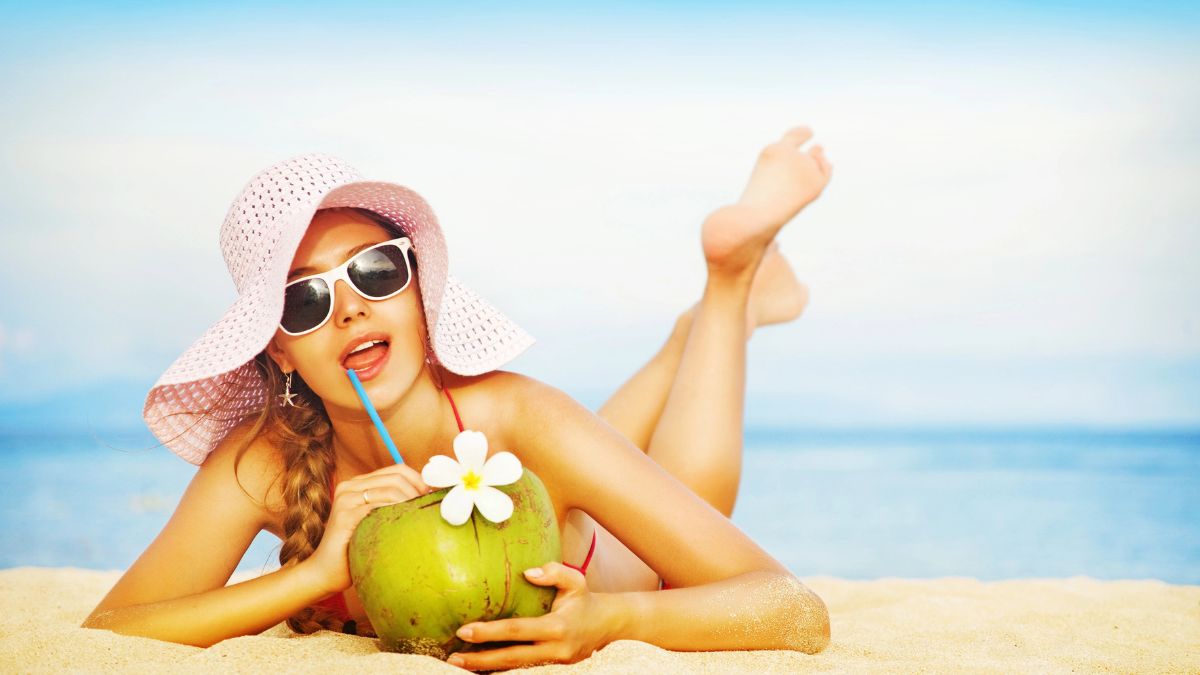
{"points": [[493, 400], [512, 409], [544, 424], [518, 410], [256, 465], [513, 397]]}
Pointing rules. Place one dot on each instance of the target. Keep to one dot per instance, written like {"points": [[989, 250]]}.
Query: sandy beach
{"points": [[889, 625]]}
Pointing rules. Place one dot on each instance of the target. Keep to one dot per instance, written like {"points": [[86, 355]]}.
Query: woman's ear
{"points": [[280, 358]]}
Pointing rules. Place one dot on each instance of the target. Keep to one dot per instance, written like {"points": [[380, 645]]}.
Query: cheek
{"points": [[403, 318], [316, 365]]}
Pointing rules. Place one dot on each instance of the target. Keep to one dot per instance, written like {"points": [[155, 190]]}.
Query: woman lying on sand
{"points": [[643, 491]]}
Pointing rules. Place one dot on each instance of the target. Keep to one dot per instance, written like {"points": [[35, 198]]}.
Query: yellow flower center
{"points": [[471, 480]]}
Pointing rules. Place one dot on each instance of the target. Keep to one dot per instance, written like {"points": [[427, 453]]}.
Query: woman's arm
{"points": [[206, 618], [755, 610], [176, 589], [728, 593]]}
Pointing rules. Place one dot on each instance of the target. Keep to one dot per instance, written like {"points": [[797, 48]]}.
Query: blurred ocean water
{"points": [[859, 505]]}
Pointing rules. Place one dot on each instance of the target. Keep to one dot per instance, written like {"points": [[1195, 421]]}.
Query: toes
{"points": [[818, 153], [796, 136]]}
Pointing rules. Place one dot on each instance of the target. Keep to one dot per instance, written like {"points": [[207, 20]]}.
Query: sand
{"points": [[949, 625]]}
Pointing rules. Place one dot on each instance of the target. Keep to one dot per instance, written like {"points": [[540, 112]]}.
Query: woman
{"points": [[644, 490]]}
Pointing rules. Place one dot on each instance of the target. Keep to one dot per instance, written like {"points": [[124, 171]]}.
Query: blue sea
{"points": [[853, 504]]}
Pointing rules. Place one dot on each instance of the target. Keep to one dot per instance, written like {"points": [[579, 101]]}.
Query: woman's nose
{"points": [[348, 304]]}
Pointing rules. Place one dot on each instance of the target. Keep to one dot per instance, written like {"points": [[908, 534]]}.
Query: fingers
{"points": [[557, 574], [399, 476], [513, 657], [380, 495], [404, 470], [352, 492], [526, 629]]}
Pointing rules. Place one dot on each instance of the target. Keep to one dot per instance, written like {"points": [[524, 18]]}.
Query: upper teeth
{"points": [[368, 343]]}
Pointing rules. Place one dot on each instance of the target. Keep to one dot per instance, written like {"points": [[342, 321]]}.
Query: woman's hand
{"points": [[579, 623], [353, 499]]}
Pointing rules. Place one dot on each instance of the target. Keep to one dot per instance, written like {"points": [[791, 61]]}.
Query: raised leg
{"points": [[685, 406], [698, 437], [636, 407], [654, 408], [668, 407]]}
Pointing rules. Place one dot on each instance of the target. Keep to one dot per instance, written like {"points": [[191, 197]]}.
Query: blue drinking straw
{"points": [[362, 394]]}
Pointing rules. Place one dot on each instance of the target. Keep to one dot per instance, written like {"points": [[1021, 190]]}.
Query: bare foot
{"points": [[785, 179], [776, 296]]}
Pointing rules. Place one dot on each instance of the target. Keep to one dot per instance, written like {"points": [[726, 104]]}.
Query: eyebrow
{"points": [[299, 271]]}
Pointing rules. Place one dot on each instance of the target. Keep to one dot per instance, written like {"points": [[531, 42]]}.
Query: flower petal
{"points": [[441, 471], [493, 504], [471, 449], [502, 468], [457, 505]]}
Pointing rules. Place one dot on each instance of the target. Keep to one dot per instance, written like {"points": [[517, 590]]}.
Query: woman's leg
{"points": [[699, 433], [698, 437], [685, 407], [636, 407]]}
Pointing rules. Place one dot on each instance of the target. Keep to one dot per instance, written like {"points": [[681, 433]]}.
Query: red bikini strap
{"points": [[591, 550], [455, 408], [586, 561]]}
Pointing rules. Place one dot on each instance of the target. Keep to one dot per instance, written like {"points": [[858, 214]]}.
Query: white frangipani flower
{"points": [[473, 479]]}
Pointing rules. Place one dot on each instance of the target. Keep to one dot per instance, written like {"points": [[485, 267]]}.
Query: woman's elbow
{"points": [[124, 621], [807, 625], [96, 620], [109, 620], [819, 635]]}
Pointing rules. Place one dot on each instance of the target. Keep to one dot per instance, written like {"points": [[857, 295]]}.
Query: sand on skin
{"points": [[887, 625]]}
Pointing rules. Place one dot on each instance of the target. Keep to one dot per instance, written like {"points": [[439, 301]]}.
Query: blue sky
{"points": [[1008, 238]]}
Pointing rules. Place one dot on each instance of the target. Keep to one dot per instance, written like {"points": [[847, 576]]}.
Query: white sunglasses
{"points": [[375, 273]]}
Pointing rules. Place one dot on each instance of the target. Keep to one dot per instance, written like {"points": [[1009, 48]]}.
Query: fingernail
{"points": [[534, 572], [465, 633], [455, 660]]}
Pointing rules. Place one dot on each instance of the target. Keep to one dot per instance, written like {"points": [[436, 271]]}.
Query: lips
{"points": [[365, 357]]}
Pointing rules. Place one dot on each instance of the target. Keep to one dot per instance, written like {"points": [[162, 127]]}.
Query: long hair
{"points": [[303, 436]]}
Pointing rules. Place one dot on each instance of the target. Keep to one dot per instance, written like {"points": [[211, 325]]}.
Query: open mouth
{"points": [[366, 356]]}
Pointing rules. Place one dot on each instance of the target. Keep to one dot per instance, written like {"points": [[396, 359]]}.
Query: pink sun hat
{"points": [[259, 238]]}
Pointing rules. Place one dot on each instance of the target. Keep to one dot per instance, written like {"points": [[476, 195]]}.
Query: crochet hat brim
{"points": [[469, 335]]}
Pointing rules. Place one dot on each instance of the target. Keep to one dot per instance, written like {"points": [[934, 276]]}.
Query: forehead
{"points": [[331, 234]]}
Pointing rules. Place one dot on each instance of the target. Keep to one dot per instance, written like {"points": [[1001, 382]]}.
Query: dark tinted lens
{"points": [[380, 271], [305, 305]]}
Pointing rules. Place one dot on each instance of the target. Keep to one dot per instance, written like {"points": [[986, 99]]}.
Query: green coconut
{"points": [[421, 578]]}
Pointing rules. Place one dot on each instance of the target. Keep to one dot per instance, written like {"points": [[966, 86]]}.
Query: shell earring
{"points": [[287, 394]]}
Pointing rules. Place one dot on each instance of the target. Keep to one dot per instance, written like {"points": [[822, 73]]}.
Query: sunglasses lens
{"points": [[379, 272], [305, 305]]}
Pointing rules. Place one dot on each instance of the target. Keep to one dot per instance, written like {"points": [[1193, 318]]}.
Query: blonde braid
{"points": [[303, 435]]}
